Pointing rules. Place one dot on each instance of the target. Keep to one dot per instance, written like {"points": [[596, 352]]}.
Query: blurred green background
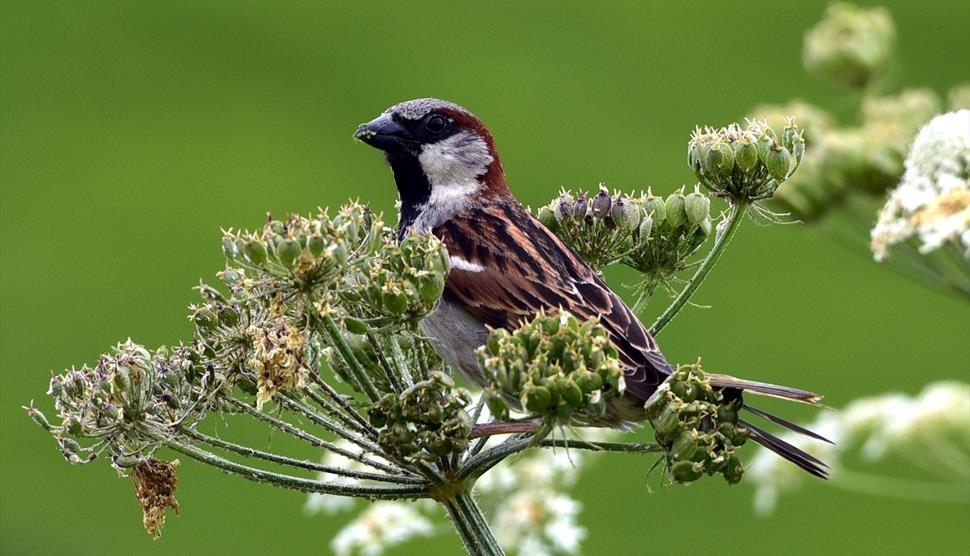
{"points": [[131, 131]]}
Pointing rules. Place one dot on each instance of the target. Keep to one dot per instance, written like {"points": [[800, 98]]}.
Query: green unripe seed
{"points": [[746, 156], [316, 245], [655, 208], [778, 163], [287, 251], [697, 206], [676, 213], [536, 398], [255, 251]]}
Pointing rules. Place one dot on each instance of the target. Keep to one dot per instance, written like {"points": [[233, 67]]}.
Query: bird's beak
{"points": [[385, 134]]}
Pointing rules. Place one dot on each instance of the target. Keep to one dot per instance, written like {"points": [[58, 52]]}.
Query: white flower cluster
{"points": [[933, 199], [525, 497], [932, 428]]}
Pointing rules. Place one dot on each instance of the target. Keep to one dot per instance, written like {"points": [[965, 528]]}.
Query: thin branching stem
{"points": [[731, 227], [374, 492], [319, 442], [627, 447], [343, 403], [308, 465], [390, 371]]}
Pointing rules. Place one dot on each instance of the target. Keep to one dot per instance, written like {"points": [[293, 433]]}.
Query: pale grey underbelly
{"points": [[456, 334]]}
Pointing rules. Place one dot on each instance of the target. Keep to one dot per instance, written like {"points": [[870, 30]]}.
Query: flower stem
{"points": [[332, 332], [469, 522], [731, 226], [386, 492]]}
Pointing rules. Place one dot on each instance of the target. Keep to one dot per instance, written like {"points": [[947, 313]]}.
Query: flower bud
{"points": [[674, 207], [778, 163], [602, 203], [697, 206]]}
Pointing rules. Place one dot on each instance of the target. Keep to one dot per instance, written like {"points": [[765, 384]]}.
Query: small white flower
{"points": [[539, 522], [381, 526], [932, 201]]}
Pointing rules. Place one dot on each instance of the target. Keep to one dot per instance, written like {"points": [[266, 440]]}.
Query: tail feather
{"points": [[764, 388], [799, 457], [786, 423]]}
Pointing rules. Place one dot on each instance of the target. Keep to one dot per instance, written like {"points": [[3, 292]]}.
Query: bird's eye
{"points": [[436, 123]]}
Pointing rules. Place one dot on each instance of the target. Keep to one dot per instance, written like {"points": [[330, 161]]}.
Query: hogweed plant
{"points": [[921, 183], [313, 332]]}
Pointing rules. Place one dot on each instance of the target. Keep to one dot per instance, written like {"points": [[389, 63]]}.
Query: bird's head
{"points": [[438, 151]]}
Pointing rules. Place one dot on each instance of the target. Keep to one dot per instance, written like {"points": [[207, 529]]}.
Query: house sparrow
{"points": [[506, 266]]}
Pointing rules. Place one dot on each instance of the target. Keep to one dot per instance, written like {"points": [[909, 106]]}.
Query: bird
{"points": [[505, 266]]}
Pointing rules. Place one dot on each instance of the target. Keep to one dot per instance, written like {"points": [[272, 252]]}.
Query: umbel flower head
{"points": [[554, 366], [697, 427], [932, 201], [744, 165], [851, 45], [654, 235], [426, 421]]}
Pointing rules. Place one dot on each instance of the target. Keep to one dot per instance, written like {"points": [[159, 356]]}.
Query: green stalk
{"points": [[337, 340], [384, 492], [469, 522], [733, 222]]}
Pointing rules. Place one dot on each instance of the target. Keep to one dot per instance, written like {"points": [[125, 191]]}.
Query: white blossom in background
{"points": [[382, 525], [931, 428], [537, 522], [328, 503], [932, 201]]}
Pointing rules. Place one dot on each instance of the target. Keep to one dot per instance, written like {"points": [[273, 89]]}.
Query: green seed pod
{"points": [[587, 381], [205, 319], [580, 207], [719, 161], [228, 316], [788, 136], [746, 155], [431, 285], [676, 214], [602, 203], [394, 301], [625, 214], [316, 245], [646, 226], [340, 253], [564, 207], [798, 150], [694, 156], [655, 207], [536, 398], [255, 251], [547, 215], [287, 251], [697, 206], [570, 392], [684, 448], [497, 405], [686, 471], [778, 163], [706, 227], [733, 470], [229, 248], [667, 423], [354, 325], [764, 144], [684, 390]]}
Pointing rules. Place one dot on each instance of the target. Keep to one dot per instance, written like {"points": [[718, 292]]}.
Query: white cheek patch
{"points": [[453, 165], [462, 264]]}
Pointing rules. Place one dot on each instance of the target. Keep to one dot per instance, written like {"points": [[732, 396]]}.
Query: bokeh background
{"points": [[131, 131]]}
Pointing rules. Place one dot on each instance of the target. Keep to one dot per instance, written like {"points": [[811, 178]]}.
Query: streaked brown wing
{"points": [[525, 268]]}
